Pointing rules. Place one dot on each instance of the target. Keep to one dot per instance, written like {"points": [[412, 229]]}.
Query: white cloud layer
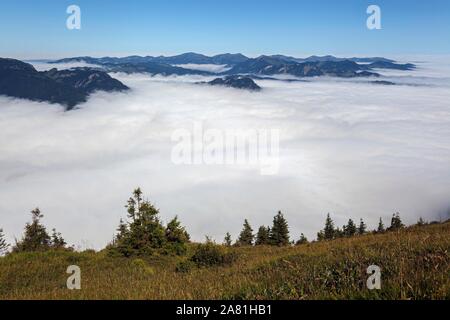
{"points": [[347, 147], [42, 65], [217, 68]]}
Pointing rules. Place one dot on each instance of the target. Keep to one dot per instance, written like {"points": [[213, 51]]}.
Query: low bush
{"points": [[142, 266], [185, 266], [210, 254]]}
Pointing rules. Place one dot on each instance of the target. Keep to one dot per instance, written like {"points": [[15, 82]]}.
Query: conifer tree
{"points": [[227, 240], [3, 244], [57, 241], [350, 228], [246, 236], [328, 231], [263, 236], [175, 232], [302, 240], [122, 230], [338, 233], [134, 204], [35, 237], [144, 233], [177, 237], [421, 222], [381, 228], [362, 227], [320, 236], [279, 233], [396, 222]]}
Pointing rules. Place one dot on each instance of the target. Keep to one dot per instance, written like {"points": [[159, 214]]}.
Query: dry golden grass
{"points": [[415, 265]]}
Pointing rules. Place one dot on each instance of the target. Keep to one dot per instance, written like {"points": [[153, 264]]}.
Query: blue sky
{"points": [[37, 29]]}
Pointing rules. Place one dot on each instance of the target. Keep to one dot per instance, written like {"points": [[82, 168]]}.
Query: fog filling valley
{"points": [[347, 147]]}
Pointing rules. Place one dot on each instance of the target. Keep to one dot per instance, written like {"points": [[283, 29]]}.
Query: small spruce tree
{"points": [[279, 233], [122, 230], [302, 240], [421, 222], [177, 237], [320, 236], [396, 222], [263, 236], [339, 233], [227, 240], [175, 232], [246, 236], [144, 234], [35, 237], [350, 228], [362, 227], [381, 228], [57, 241]]}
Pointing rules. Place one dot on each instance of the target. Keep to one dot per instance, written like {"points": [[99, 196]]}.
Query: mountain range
{"points": [[185, 58], [239, 64], [72, 86], [228, 59]]}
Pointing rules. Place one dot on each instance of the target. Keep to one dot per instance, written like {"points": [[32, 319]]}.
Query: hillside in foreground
{"points": [[414, 264]]}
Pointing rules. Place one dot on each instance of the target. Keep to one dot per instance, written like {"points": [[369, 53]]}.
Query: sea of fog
{"points": [[347, 147]]}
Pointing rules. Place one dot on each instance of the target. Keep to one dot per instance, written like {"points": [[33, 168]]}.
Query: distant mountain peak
{"points": [[236, 81], [67, 87]]}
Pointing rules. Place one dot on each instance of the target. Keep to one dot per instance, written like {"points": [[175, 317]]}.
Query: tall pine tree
{"points": [[279, 233], [328, 231]]}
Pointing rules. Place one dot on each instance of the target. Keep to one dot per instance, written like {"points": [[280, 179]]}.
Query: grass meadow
{"points": [[414, 264]]}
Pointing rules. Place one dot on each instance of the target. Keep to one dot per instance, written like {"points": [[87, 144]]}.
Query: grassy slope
{"points": [[415, 265]]}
